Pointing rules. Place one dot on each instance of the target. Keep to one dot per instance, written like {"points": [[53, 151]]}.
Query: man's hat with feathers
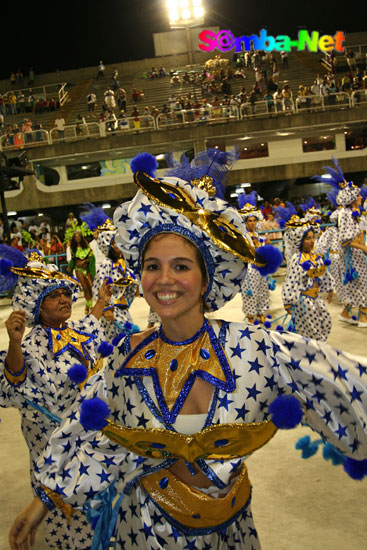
{"points": [[346, 191], [247, 203], [97, 220], [30, 280]]}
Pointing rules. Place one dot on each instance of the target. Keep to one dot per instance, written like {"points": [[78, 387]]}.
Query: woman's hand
{"points": [[105, 292], [15, 325], [108, 315], [22, 535]]}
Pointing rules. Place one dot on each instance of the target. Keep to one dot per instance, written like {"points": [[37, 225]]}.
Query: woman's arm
{"points": [[15, 325], [22, 534], [103, 300]]}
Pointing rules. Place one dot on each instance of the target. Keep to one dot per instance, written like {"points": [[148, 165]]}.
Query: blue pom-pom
{"points": [[267, 324], [5, 266], [256, 322], [329, 452], [354, 318], [108, 281], [327, 262], [308, 447], [93, 414], [105, 349], [286, 412], [77, 373], [249, 292], [356, 469], [144, 162], [117, 339], [279, 328], [306, 265], [269, 316], [271, 256]]}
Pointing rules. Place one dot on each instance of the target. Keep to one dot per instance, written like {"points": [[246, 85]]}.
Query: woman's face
{"points": [[78, 237], [55, 308], [172, 279], [308, 242]]}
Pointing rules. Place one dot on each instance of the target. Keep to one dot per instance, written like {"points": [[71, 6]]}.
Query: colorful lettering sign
{"points": [[225, 41]]}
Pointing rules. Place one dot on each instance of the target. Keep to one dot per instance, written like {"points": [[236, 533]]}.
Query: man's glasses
{"points": [[56, 294]]}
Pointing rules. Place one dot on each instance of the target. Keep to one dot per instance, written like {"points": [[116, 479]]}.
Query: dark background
{"points": [[49, 36]]}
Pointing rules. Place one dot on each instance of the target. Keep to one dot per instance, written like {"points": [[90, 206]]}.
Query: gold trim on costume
{"points": [[191, 507], [67, 510], [206, 183], [316, 271], [15, 379], [61, 338], [224, 234], [313, 292], [38, 273], [93, 370], [217, 442], [174, 364]]}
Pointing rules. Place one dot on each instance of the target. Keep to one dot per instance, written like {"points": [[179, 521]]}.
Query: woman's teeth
{"points": [[165, 297]]}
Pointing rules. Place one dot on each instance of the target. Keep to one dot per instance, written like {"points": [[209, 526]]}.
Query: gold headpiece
{"points": [[206, 183], [225, 235]]}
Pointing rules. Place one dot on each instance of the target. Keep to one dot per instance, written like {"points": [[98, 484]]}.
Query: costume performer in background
{"points": [[283, 214], [307, 276], [83, 262], [255, 289], [184, 404], [36, 372], [116, 318], [352, 247]]}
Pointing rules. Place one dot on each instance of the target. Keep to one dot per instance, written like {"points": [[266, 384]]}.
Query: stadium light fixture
{"points": [[184, 14]]}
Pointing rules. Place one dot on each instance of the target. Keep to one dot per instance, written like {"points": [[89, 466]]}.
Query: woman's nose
{"points": [[165, 275]]}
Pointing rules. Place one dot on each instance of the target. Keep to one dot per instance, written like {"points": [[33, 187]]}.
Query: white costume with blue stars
{"points": [[328, 246], [256, 366], [255, 290], [48, 387], [301, 290], [122, 295], [353, 261]]}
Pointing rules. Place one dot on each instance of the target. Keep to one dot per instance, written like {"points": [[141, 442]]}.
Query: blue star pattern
{"points": [[330, 386], [47, 384], [121, 313]]}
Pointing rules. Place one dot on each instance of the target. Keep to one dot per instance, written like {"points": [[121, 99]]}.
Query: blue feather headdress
{"points": [[97, 220], [247, 198], [248, 206], [212, 162], [284, 213], [94, 216], [10, 257], [346, 192]]}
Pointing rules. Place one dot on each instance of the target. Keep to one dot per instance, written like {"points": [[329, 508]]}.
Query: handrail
{"points": [[315, 102], [63, 94], [21, 140], [357, 97], [74, 132], [47, 90]]}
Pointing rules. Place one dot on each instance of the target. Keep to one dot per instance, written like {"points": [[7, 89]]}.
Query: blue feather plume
{"points": [[94, 216], [284, 213], [211, 162], [336, 175], [309, 203], [247, 198], [144, 162], [10, 257]]}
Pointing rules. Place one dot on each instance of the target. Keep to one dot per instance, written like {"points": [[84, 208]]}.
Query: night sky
{"points": [[78, 33]]}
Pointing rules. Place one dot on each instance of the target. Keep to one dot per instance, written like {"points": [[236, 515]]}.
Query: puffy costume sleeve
{"points": [[331, 386], [326, 283], [323, 243], [292, 285], [349, 228]]}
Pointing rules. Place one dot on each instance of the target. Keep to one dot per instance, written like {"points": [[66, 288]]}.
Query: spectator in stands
{"points": [[45, 230], [71, 220], [111, 121], [284, 58], [287, 96], [18, 137], [27, 130], [60, 126], [91, 103], [19, 76], [2, 123], [33, 228], [81, 128], [100, 70], [301, 97], [109, 99], [13, 103], [351, 60], [123, 123], [13, 79], [21, 102], [31, 76], [30, 104], [1, 229], [147, 117], [162, 72], [346, 83], [15, 243], [37, 126], [56, 248], [102, 124], [15, 233], [121, 99]]}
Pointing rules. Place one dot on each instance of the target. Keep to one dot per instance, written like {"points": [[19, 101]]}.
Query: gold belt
{"points": [[192, 508], [313, 292]]}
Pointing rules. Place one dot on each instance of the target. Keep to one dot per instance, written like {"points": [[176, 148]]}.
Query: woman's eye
{"points": [[181, 267], [151, 267]]}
